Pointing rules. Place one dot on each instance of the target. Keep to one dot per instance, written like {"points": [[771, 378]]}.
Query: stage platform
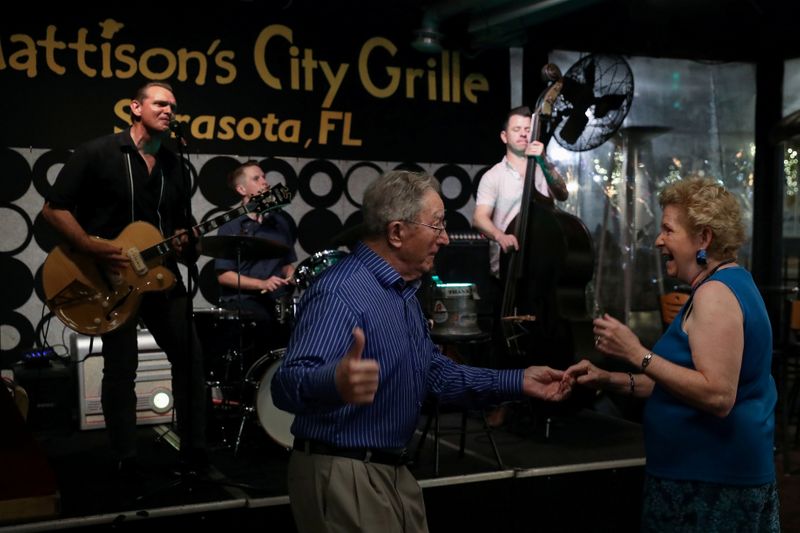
{"points": [[581, 471]]}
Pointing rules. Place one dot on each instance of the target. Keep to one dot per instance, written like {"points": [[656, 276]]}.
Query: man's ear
{"points": [[395, 232], [136, 108]]}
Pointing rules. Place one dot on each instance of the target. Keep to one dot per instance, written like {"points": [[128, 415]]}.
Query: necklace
{"points": [[694, 289]]}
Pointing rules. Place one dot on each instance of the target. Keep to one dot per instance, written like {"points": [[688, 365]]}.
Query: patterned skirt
{"points": [[694, 506]]}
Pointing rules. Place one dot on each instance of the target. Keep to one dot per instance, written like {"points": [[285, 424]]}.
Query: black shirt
{"points": [[94, 185]]}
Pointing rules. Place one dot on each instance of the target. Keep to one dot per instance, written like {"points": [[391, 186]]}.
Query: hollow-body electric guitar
{"points": [[90, 299]]}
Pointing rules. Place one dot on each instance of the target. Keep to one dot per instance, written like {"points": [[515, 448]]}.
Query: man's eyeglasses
{"points": [[437, 229]]}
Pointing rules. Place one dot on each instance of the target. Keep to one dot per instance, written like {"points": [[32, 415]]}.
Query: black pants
{"points": [[165, 315]]}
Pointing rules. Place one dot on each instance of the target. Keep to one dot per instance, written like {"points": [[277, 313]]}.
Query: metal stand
{"points": [[433, 419], [434, 411]]}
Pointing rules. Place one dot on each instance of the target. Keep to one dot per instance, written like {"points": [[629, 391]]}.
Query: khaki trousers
{"points": [[339, 495]]}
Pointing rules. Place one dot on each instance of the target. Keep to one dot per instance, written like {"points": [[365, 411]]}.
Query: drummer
{"points": [[264, 282]]}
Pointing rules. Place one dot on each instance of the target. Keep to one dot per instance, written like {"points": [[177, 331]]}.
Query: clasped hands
{"points": [[612, 338]]}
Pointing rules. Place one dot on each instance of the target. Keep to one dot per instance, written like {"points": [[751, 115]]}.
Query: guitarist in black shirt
{"points": [[107, 184]]}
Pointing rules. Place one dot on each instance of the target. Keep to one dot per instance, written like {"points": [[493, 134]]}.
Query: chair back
{"points": [[671, 304], [794, 319]]}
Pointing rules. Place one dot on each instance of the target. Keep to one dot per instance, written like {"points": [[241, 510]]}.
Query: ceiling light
{"points": [[427, 38]]}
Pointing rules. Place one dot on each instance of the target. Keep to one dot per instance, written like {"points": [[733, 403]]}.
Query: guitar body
{"points": [[93, 301]]}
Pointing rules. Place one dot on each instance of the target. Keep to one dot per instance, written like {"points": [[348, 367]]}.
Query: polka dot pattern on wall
{"points": [[326, 202]]}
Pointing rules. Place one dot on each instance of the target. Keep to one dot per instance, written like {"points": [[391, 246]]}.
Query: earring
{"points": [[701, 257]]}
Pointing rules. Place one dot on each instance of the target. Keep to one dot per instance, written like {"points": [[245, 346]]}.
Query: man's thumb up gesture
{"points": [[356, 378]]}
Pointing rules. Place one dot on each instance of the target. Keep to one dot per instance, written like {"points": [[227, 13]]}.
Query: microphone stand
{"points": [[191, 268], [187, 474]]}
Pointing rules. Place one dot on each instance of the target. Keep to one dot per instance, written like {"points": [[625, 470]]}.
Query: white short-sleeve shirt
{"points": [[501, 188]]}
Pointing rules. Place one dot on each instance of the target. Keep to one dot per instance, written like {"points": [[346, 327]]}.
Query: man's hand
{"points": [[179, 241], [589, 375], [107, 253], [507, 241], [356, 378], [546, 383], [534, 148], [273, 283]]}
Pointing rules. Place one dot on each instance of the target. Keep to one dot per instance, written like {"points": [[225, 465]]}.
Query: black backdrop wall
{"points": [[326, 101]]}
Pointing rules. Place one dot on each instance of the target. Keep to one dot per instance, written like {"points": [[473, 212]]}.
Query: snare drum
{"points": [[275, 422], [314, 265]]}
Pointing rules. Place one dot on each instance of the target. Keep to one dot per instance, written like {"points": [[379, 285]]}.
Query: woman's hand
{"points": [[586, 374], [614, 338]]}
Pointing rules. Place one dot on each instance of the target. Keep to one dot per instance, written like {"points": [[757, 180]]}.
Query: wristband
{"points": [[646, 360]]}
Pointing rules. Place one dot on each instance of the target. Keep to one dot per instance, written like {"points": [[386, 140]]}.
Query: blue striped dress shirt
{"points": [[364, 290]]}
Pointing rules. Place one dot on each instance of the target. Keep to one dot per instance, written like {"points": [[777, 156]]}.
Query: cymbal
{"points": [[348, 237], [231, 246]]}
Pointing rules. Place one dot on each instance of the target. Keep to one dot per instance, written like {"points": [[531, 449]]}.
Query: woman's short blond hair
{"points": [[707, 204]]}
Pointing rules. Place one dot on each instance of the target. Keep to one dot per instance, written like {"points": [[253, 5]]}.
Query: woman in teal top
{"points": [[709, 417]]}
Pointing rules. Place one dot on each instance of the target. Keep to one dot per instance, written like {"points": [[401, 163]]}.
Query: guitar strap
{"points": [[129, 171]]}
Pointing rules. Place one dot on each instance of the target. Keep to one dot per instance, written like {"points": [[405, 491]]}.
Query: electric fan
{"points": [[593, 101]]}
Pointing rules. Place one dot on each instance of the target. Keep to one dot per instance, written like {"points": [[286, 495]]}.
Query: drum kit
{"points": [[230, 336]]}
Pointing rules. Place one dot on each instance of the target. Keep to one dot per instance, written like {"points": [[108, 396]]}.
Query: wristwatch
{"points": [[646, 359]]}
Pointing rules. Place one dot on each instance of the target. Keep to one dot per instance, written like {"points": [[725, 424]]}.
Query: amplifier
{"points": [[153, 381], [50, 388]]}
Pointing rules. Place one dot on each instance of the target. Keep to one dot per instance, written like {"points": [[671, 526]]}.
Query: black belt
{"points": [[368, 455]]}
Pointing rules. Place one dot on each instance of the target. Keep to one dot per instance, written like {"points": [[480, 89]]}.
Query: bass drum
{"points": [[275, 422]]}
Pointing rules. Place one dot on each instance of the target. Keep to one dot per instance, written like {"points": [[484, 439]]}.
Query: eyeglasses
{"points": [[437, 229]]}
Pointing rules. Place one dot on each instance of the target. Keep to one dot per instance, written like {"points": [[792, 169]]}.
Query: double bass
{"points": [[545, 279]]}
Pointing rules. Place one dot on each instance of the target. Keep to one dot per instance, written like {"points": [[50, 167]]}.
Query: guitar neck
{"points": [[278, 197], [210, 225], [165, 247]]}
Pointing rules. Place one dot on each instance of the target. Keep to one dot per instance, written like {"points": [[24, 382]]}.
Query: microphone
{"points": [[177, 128]]}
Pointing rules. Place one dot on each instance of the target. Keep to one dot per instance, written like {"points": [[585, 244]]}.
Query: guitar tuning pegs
{"points": [[551, 72]]}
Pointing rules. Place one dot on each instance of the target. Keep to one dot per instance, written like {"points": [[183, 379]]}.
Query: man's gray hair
{"points": [[396, 195]]}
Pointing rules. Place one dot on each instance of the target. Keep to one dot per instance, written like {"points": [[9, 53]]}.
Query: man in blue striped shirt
{"points": [[361, 362]]}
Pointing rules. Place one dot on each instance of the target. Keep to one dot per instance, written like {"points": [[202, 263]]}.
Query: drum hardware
{"points": [[238, 247], [314, 265], [220, 331], [256, 397], [241, 246], [286, 309], [275, 422]]}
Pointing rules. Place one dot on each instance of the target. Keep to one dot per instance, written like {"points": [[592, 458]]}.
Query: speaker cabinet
{"points": [[154, 401], [50, 388]]}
